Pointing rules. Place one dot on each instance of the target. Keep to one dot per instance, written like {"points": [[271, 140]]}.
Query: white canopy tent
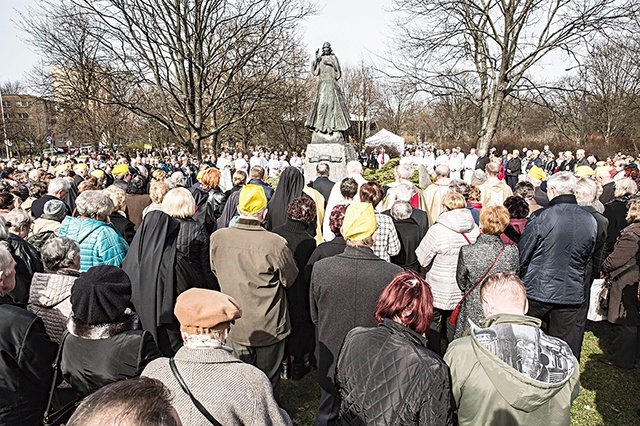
{"points": [[385, 137]]}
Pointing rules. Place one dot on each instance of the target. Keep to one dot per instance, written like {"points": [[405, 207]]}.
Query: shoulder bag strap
{"points": [[186, 390], [48, 415], [466, 238], [477, 283]]}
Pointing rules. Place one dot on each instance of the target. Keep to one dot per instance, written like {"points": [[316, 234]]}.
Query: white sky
{"points": [[355, 29]]}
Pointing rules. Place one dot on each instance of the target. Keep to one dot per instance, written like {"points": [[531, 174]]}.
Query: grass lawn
{"points": [[608, 395]]}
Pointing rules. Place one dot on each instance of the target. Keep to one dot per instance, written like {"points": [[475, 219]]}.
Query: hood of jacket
{"points": [[525, 366], [79, 229], [49, 289], [458, 220]]}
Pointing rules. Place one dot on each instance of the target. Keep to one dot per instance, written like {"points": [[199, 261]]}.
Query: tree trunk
{"points": [[214, 144], [490, 125]]}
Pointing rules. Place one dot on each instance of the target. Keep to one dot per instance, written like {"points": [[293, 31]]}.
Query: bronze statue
{"points": [[329, 115]]}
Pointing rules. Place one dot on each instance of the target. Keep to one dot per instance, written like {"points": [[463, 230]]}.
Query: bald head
{"points": [[503, 293]]}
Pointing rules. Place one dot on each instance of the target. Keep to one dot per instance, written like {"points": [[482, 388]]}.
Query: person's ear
{"points": [[526, 306]]}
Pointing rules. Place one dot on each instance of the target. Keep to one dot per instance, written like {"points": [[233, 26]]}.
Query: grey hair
{"points": [[442, 170], [403, 192], [59, 252], [563, 183], [404, 171], [586, 191], [625, 186], [322, 169], [401, 210], [34, 174], [58, 185], [4, 232], [94, 205], [5, 258], [461, 187], [354, 167], [17, 219]]}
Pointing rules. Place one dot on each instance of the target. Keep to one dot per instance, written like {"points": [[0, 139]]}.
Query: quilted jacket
{"points": [[50, 299], [438, 253], [555, 247], [100, 243], [387, 376]]}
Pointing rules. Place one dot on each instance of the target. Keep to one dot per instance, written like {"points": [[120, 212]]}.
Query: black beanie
{"points": [[100, 295]]}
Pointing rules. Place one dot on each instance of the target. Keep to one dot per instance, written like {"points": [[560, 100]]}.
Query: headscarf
{"points": [[289, 187]]}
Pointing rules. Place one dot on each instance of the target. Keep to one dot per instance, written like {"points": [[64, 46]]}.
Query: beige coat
{"points": [[433, 198], [494, 191], [254, 266]]}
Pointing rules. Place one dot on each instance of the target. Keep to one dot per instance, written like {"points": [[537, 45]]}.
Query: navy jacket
{"points": [[555, 247]]}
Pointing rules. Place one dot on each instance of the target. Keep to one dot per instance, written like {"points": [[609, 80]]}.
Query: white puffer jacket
{"points": [[438, 252]]}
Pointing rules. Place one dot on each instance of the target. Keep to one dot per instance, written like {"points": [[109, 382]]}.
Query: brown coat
{"points": [[621, 266], [254, 266]]}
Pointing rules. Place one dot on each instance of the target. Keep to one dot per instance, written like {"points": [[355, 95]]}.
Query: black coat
{"points": [[193, 243], [419, 216], [28, 262], [324, 250], [302, 245], [124, 226], [37, 207], [386, 375], [555, 247], [410, 235], [608, 191], [94, 356], [26, 359], [323, 185], [593, 269], [513, 167], [344, 293], [616, 212]]}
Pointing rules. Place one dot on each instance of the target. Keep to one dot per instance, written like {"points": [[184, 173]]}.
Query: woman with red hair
{"points": [[386, 374]]}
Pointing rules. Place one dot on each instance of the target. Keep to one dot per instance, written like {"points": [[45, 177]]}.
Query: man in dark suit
{"points": [[322, 184], [603, 177], [257, 175]]}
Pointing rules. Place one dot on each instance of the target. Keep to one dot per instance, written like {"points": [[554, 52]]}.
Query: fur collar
{"points": [[128, 321]]}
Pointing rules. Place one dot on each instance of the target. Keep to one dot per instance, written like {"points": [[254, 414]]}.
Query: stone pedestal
{"points": [[337, 155]]}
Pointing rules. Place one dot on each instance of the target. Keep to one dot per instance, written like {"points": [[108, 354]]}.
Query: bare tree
{"points": [[194, 66], [440, 44], [362, 93]]}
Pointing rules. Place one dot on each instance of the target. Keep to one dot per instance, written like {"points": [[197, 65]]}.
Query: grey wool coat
{"points": [[233, 392], [473, 262], [344, 293]]}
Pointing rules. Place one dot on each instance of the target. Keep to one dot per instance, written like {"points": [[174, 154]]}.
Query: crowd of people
{"points": [[163, 290]]}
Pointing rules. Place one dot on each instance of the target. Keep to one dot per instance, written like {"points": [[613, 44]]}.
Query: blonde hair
{"points": [[453, 201], [117, 195], [179, 203], [494, 220], [157, 191], [633, 214]]}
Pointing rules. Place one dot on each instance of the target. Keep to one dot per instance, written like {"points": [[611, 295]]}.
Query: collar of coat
{"points": [[359, 252], [205, 355], [405, 332], [563, 199], [251, 224], [128, 321]]}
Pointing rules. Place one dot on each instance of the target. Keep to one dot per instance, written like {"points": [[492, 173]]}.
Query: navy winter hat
{"points": [[100, 295]]}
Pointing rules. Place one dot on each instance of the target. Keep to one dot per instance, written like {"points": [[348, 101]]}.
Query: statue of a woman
{"points": [[329, 110]]}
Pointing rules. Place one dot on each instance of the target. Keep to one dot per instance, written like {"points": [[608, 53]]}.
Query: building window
{"points": [[23, 115], [7, 115], [6, 104], [23, 103]]}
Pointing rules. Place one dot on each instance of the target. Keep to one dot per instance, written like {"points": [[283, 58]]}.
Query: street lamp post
{"points": [[4, 126]]}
